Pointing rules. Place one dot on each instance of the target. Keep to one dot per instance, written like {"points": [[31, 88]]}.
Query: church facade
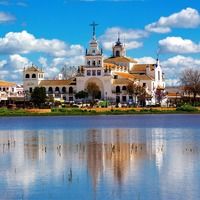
{"points": [[111, 76]]}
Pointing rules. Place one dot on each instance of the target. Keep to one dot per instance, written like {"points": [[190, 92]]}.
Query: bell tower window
{"points": [[117, 53], [94, 63]]}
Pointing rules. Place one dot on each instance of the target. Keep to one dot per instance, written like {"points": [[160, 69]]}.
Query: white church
{"points": [[112, 76]]}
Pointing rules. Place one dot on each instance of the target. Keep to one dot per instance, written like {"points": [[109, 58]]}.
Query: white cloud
{"points": [[4, 74], [174, 65], [186, 18], [146, 60], [2, 63], [130, 37], [6, 17], [18, 62], [24, 43], [178, 45]]}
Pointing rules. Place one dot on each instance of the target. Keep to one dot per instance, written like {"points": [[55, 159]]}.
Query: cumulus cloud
{"points": [[146, 60], [6, 17], [174, 65], [18, 62], [178, 45], [130, 37], [186, 18], [24, 43]]}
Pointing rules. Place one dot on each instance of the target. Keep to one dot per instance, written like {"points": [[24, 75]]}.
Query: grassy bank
{"points": [[97, 111]]}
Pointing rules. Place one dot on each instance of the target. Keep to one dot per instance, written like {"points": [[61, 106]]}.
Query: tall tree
{"points": [[138, 91], [93, 90], [190, 79], [160, 95], [38, 96], [81, 95]]}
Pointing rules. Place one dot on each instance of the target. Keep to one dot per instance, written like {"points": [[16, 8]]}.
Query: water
{"points": [[100, 157]]}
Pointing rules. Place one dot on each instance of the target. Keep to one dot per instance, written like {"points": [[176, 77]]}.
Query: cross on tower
{"points": [[118, 36], [94, 28]]}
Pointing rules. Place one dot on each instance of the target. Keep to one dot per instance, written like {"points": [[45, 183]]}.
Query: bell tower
{"points": [[94, 55], [119, 48]]}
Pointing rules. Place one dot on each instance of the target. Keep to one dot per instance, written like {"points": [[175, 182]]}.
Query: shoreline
{"points": [[90, 112]]}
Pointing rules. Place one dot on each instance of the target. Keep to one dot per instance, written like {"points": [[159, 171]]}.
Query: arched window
{"points": [[93, 63], [117, 89], [124, 88], [33, 75], [64, 90], [117, 53], [88, 63], [70, 90], [57, 90], [27, 76], [99, 62], [50, 90]]}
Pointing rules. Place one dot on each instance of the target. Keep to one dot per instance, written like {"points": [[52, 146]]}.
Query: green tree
{"points": [[38, 96], [93, 90], [138, 91], [81, 94]]}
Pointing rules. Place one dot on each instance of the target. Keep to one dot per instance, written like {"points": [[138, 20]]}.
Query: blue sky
{"points": [[51, 33]]}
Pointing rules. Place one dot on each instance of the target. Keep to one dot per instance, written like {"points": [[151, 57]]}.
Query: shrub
{"points": [[187, 108]]}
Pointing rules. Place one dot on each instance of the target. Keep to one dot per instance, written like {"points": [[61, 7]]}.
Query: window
{"points": [[99, 62], [93, 63], [88, 72], [27, 76], [33, 75], [88, 63], [70, 90], [93, 72], [4, 89], [0, 88], [30, 89], [117, 99], [57, 90], [117, 89], [115, 77], [144, 84], [64, 90], [98, 72], [124, 98], [50, 90], [117, 53], [93, 51], [124, 88]]}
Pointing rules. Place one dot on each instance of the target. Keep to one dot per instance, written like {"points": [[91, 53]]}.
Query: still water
{"points": [[100, 157]]}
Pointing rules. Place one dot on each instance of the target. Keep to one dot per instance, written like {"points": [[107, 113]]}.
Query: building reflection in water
{"points": [[107, 157]]}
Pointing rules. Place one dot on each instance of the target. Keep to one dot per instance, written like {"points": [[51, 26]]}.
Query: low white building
{"points": [[9, 90], [111, 75]]}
